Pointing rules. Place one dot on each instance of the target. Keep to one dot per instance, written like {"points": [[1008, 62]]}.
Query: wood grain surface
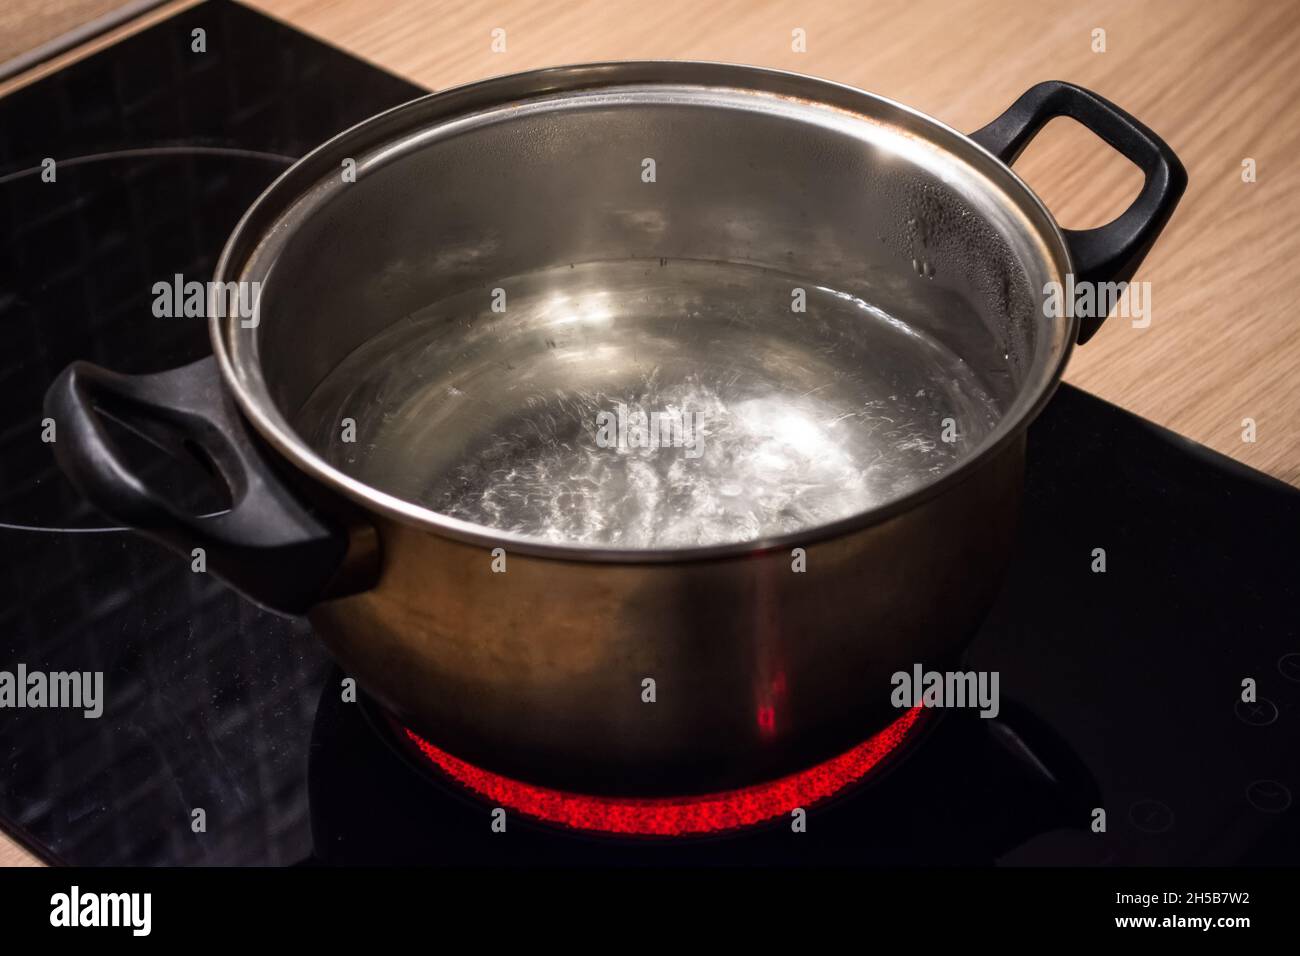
{"points": [[26, 24], [1218, 79]]}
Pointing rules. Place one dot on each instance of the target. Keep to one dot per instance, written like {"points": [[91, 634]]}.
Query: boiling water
{"points": [[538, 419]]}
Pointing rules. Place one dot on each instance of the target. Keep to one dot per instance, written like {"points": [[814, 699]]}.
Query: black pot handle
{"points": [[1113, 252], [270, 545]]}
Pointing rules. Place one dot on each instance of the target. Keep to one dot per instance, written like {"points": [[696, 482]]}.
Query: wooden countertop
{"points": [[1215, 78]]}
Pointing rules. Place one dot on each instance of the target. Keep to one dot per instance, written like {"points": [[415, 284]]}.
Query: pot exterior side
{"points": [[540, 671]]}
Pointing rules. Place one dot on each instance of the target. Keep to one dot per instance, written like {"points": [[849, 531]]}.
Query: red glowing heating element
{"points": [[677, 816]]}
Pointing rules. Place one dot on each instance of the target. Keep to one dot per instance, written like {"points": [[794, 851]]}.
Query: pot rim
{"points": [[293, 184]]}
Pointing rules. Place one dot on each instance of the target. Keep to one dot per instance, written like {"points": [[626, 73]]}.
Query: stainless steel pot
{"points": [[852, 293]]}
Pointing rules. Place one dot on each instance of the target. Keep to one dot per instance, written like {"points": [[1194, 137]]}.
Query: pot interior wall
{"points": [[529, 262]]}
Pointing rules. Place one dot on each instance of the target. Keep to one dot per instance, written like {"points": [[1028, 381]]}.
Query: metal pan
{"points": [[625, 427]]}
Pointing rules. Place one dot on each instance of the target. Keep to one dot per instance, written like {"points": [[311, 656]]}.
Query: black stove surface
{"points": [[1121, 690]]}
